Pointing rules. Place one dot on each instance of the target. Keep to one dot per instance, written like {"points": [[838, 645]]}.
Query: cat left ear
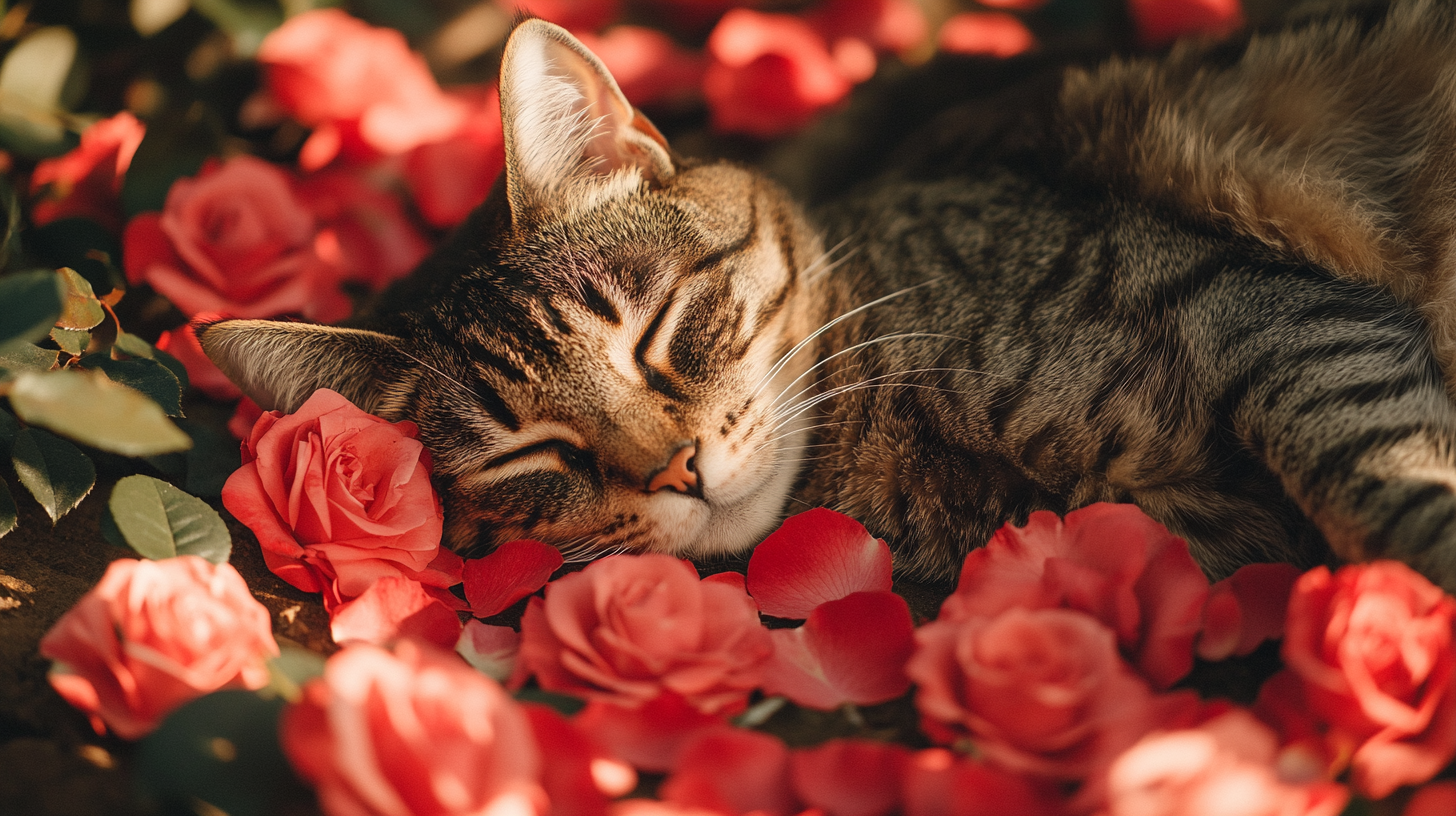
{"points": [[570, 134]]}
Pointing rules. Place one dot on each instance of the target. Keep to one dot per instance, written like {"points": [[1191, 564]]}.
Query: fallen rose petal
{"points": [[939, 782], [491, 649], [514, 570], [580, 777], [814, 557], [650, 737], [991, 34], [732, 770], [393, 608], [850, 777], [733, 579], [850, 650], [1246, 609]]}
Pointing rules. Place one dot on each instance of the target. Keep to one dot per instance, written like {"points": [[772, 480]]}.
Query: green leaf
{"points": [[55, 472], [160, 521], [151, 16], [9, 516], [173, 365], [563, 703], [33, 78], [246, 22], [89, 408], [9, 428], [149, 377], [71, 341], [17, 357], [30, 303], [11, 222], [79, 307], [133, 346], [174, 146]]}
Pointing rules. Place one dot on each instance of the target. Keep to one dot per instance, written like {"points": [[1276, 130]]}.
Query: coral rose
{"points": [[339, 498], [1224, 767], [359, 87], [630, 627], [1040, 691], [234, 239], [1159, 22], [450, 176], [414, 730], [86, 182], [1370, 647], [1108, 560], [364, 228], [152, 635], [770, 74]]}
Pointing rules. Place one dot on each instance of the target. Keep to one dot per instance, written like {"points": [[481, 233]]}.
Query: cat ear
{"points": [[280, 364], [570, 134]]}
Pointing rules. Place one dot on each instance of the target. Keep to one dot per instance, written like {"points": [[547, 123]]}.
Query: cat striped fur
{"points": [[972, 336]]}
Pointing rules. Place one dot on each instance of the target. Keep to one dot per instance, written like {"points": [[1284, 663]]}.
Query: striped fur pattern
{"points": [[972, 337]]}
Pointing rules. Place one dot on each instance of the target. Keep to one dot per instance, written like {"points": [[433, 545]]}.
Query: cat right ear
{"points": [[280, 364], [571, 136]]}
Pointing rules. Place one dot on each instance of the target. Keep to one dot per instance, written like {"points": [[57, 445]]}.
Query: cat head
{"points": [[603, 362]]}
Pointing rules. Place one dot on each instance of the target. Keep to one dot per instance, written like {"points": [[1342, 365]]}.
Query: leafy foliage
{"points": [[160, 521]]}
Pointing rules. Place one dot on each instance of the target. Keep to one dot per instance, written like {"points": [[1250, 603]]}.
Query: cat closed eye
{"points": [[570, 455]]}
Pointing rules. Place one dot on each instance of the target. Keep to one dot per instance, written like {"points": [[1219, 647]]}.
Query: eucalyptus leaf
{"points": [[93, 410], [16, 357], [55, 472], [30, 304], [9, 515], [159, 521], [79, 307], [71, 341], [246, 22], [149, 377], [151, 16]]}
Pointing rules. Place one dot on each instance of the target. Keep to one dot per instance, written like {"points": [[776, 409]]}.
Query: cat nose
{"points": [[680, 473]]}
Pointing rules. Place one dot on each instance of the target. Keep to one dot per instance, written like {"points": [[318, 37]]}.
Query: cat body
{"points": [[624, 350]]}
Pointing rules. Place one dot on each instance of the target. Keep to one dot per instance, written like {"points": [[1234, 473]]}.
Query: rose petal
{"points": [[1435, 799], [991, 34], [491, 649], [1246, 609], [731, 770], [393, 608], [651, 736], [850, 777], [514, 570], [814, 557], [1159, 22], [940, 783], [850, 650], [580, 777]]}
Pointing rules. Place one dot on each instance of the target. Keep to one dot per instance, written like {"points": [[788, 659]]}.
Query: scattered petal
{"points": [[516, 569], [395, 607], [814, 557], [491, 649], [850, 650]]}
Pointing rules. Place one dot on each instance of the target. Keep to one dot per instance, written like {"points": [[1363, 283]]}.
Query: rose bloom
{"points": [[771, 74], [1040, 691], [1368, 652], [86, 182], [234, 239], [364, 229], [412, 731], [1159, 22], [152, 635], [1224, 767], [339, 498], [630, 627], [361, 88], [449, 177]]}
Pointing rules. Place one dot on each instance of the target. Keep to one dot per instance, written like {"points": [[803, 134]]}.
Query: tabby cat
{"points": [[1126, 297]]}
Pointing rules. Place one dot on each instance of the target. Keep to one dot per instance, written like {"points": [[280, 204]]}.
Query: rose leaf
{"points": [[149, 377], [55, 472], [133, 346], [79, 307], [9, 516], [71, 341], [160, 521], [17, 357], [8, 429], [30, 304], [93, 410]]}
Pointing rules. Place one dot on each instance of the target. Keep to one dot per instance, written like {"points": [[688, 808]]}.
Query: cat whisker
{"points": [[793, 409], [862, 345], [464, 389]]}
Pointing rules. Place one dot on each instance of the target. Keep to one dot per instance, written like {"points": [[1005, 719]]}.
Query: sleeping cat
{"points": [[626, 350]]}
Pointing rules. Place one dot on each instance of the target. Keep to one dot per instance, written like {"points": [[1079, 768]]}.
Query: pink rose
{"points": [[771, 74], [152, 635], [630, 627], [361, 88], [1223, 767], [939, 782], [1039, 691], [364, 230], [86, 182], [1368, 652], [1246, 609], [339, 498], [1108, 560], [414, 730], [448, 177], [234, 239]]}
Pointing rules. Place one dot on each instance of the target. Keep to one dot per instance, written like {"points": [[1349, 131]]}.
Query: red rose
{"points": [[733, 770], [850, 777], [1246, 609], [649, 67], [359, 87], [1223, 767], [576, 15], [1159, 22], [770, 74], [202, 373], [628, 628], [1369, 649], [412, 731], [991, 34], [1108, 560], [939, 782], [152, 635], [234, 239], [1435, 799], [86, 182], [339, 498], [364, 228], [448, 177], [1040, 691]]}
